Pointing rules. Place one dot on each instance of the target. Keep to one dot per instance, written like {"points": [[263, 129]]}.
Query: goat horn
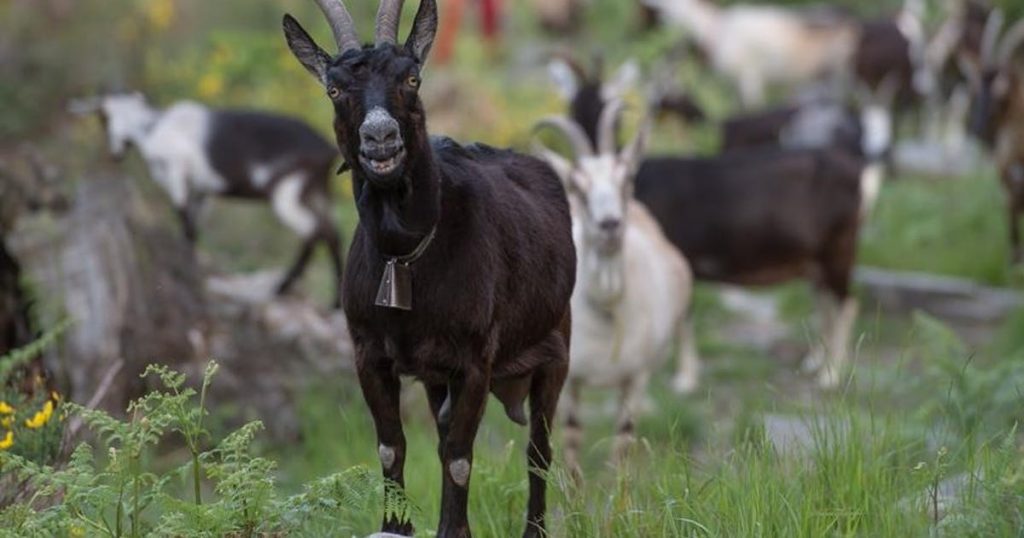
{"points": [[388, 17], [572, 131], [1012, 40], [342, 26], [606, 132], [990, 37]]}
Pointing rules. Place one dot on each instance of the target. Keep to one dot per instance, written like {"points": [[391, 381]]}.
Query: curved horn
{"points": [[1012, 40], [990, 37], [607, 142], [388, 18], [342, 27], [572, 131]]}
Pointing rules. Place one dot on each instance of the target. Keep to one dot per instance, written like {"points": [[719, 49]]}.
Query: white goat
{"points": [[633, 288], [756, 46], [193, 152]]}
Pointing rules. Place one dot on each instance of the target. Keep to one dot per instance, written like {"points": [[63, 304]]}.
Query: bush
{"points": [[119, 490]]}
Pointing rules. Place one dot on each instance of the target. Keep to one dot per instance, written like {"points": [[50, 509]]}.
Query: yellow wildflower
{"points": [[55, 396], [7, 441], [42, 417], [211, 85], [5, 409], [6, 422]]}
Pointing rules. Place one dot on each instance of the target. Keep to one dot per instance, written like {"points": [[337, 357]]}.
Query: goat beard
{"points": [[605, 279]]}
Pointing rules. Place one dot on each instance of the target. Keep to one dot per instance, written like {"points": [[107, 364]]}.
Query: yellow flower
{"points": [[55, 396], [6, 422], [42, 417], [7, 441], [5, 409], [211, 85]]}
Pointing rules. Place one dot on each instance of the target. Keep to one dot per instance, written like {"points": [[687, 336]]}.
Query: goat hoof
{"points": [[684, 384], [392, 529], [828, 379], [812, 363], [461, 532], [533, 531]]}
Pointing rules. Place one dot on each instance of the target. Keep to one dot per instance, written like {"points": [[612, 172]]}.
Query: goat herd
{"points": [[472, 266]]}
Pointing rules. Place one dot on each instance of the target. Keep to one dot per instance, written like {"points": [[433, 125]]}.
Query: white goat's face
{"points": [[124, 116], [602, 187]]}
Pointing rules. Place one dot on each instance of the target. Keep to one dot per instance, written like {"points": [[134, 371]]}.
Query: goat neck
{"points": [[397, 219]]}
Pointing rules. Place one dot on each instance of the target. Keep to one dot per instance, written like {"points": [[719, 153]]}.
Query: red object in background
{"points": [[490, 13], [451, 22]]}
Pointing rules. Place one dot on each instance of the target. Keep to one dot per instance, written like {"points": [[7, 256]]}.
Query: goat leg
{"points": [[573, 433], [333, 240], [381, 390], [630, 401], [188, 224], [298, 267], [468, 398], [688, 365], [440, 406], [544, 391]]}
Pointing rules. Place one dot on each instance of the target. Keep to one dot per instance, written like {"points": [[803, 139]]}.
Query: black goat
{"points": [[864, 130], [764, 217], [461, 268]]}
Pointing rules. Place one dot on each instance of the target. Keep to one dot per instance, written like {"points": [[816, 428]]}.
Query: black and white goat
{"points": [[864, 130], [767, 216], [997, 112], [461, 268], [633, 288], [194, 152]]}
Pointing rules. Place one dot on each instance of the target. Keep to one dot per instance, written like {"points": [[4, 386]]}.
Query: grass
{"points": [[955, 228], [862, 474]]}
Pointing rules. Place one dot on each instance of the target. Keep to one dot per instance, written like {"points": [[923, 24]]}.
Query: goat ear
{"points": [[564, 77], [424, 28], [561, 165], [619, 85], [309, 54]]}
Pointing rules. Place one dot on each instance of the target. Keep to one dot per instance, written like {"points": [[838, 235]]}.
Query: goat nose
{"points": [[609, 225], [379, 134], [379, 128]]}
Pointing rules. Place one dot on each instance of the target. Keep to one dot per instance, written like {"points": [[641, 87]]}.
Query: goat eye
{"points": [[413, 81], [333, 92]]}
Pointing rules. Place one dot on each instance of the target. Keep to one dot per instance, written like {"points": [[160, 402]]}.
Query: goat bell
{"points": [[395, 289]]}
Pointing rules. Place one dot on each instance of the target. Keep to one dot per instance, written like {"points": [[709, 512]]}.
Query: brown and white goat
{"points": [[997, 113], [193, 152], [633, 288], [461, 268], [756, 46]]}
